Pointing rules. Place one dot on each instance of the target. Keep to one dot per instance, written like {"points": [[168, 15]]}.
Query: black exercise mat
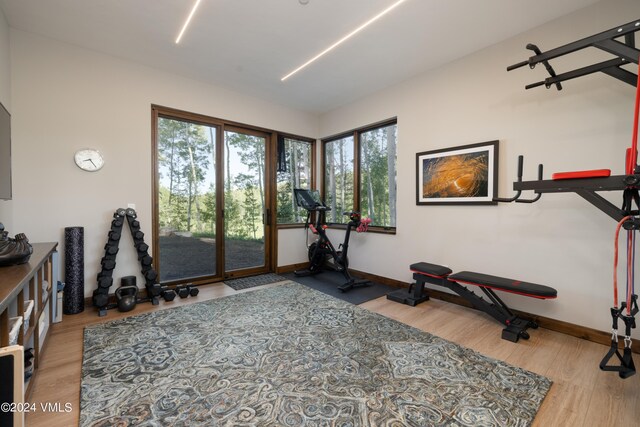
{"points": [[253, 281], [328, 282]]}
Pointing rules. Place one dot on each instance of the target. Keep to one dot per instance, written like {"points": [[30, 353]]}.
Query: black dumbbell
{"points": [[182, 291], [100, 300], [111, 250], [105, 282], [154, 289], [193, 291], [168, 294], [108, 264], [150, 275]]}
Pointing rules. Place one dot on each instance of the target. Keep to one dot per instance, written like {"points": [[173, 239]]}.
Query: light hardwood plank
{"points": [[564, 406]]}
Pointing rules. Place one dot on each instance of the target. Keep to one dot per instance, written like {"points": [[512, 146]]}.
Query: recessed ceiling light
{"points": [[345, 38], [186, 23]]}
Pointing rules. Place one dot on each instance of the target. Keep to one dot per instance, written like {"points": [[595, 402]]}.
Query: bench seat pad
{"points": [[504, 284], [430, 269]]}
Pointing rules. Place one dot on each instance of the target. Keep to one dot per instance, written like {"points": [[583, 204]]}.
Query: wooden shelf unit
{"points": [[19, 282]]}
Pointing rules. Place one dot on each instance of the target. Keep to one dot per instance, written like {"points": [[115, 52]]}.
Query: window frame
{"points": [[355, 133], [313, 143]]}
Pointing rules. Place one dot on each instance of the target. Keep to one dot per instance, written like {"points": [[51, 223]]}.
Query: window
{"points": [[296, 172], [378, 175], [338, 178], [360, 174]]}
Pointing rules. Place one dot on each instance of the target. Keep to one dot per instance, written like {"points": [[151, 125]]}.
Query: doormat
{"points": [[253, 281], [292, 356]]}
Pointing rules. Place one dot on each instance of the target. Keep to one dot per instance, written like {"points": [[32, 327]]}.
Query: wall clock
{"points": [[89, 159]]}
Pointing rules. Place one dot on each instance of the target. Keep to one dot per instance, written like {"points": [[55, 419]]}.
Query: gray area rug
{"points": [[253, 281], [292, 356]]}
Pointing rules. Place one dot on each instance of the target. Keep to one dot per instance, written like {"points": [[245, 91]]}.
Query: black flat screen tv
{"points": [[5, 154]]}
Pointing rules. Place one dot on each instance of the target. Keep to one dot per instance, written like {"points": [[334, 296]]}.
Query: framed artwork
{"points": [[466, 174]]}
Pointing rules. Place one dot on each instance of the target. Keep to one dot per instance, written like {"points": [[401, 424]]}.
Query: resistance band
{"points": [[615, 260], [631, 290], [630, 306], [626, 368]]}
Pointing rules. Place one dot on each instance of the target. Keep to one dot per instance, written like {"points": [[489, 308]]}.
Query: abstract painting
{"points": [[459, 175]]}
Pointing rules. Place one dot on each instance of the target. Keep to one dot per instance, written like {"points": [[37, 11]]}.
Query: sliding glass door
{"points": [[211, 199], [186, 199], [245, 205]]}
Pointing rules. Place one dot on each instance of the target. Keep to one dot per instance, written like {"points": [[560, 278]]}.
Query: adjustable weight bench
{"points": [[516, 327]]}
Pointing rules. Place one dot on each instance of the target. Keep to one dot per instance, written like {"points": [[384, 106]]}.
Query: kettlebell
{"points": [[126, 295]]}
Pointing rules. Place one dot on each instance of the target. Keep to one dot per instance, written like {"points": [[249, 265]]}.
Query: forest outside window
{"points": [[360, 174], [339, 178], [294, 171]]}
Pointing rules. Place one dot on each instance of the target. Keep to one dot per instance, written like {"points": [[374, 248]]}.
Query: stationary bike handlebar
{"points": [[311, 202]]}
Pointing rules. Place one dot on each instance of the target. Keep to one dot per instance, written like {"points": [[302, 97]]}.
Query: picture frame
{"points": [[462, 175]]}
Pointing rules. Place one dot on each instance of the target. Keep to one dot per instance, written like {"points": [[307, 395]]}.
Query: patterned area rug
{"points": [[292, 356], [250, 282]]}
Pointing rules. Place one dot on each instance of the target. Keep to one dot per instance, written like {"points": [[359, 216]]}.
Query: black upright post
{"points": [[73, 302]]}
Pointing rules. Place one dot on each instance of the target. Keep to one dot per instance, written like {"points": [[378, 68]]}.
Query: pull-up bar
{"points": [[625, 52], [587, 184]]}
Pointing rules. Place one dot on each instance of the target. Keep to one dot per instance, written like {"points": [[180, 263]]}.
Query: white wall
{"points": [[6, 206], [561, 241], [66, 98]]}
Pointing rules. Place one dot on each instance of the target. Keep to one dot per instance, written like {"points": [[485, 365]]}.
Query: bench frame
{"points": [[516, 327]]}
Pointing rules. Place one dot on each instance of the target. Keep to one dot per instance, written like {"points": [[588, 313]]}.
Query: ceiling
{"points": [[249, 45]]}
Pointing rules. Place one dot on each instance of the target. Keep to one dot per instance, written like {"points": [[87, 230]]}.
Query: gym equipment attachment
{"points": [[108, 262], [626, 310], [626, 368], [587, 183], [440, 275], [322, 250], [127, 294], [517, 198], [624, 51]]}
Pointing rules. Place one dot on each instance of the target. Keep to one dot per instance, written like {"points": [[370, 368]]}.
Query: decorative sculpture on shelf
{"points": [[13, 251]]}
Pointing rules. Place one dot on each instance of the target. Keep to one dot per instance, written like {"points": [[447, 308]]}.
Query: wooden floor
{"points": [[581, 394]]}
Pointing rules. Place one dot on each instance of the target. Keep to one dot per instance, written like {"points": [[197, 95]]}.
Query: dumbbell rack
{"points": [[108, 262]]}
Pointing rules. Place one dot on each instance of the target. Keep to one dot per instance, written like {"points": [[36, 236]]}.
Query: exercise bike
{"points": [[322, 254]]}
